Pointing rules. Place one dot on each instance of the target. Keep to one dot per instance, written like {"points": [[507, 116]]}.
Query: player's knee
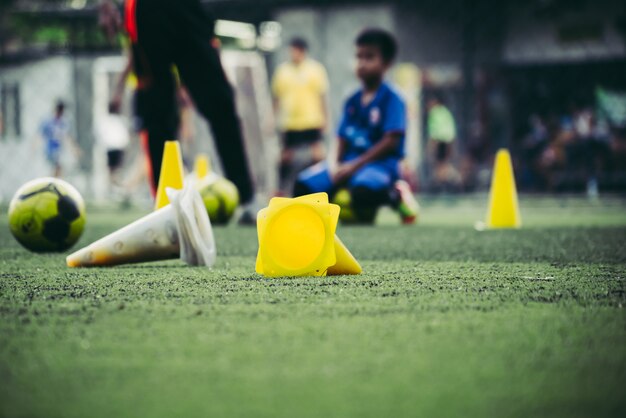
{"points": [[300, 188]]}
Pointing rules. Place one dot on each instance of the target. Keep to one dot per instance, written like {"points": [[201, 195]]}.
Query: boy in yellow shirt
{"points": [[299, 87]]}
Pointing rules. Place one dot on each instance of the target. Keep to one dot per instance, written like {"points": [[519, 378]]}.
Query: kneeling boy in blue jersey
{"points": [[370, 139]]}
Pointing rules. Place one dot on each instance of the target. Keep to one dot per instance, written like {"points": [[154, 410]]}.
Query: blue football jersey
{"points": [[363, 126]]}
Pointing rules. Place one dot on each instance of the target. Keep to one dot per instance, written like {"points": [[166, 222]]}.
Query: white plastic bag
{"points": [[195, 234]]}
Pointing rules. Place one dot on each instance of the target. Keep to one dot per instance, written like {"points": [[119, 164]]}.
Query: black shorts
{"points": [[295, 138], [114, 158], [442, 151]]}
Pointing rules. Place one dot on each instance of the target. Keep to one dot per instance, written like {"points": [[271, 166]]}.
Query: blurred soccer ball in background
{"points": [[344, 200], [220, 197], [348, 214], [47, 215]]}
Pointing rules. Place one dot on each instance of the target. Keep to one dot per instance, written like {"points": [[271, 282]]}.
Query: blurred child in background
{"points": [[370, 139], [441, 135], [55, 132]]}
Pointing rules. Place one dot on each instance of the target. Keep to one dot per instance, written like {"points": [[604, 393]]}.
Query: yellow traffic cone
{"points": [[297, 238], [171, 173], [503, 209], [201, 166]]}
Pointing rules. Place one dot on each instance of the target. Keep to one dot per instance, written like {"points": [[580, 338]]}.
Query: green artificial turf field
{"points": [[445, 321]]}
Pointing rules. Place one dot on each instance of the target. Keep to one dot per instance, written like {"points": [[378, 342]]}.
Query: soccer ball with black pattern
{"points": [[349, 214], [47, 215]]}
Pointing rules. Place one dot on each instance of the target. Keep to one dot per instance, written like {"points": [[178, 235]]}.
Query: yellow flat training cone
{"points": [[171, 173], [297, 238], [201, 166], [503, 209], [346, 263]]}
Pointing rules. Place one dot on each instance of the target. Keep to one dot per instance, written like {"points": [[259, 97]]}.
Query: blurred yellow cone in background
{"points": [[503, 209], [171, 173], [201, 166], [297, 238]]}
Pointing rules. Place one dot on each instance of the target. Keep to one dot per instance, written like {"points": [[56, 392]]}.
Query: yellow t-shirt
{"points": [[299, 90]]}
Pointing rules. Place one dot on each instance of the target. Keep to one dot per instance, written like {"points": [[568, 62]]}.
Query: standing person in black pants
{"points": [[178, 33]]}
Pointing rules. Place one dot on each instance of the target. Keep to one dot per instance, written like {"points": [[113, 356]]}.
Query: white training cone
{"points": [[181, 229]]}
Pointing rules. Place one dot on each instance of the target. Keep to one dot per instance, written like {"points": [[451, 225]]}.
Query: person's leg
{"points": [[318, 151], [316, 144], [370, 187], [160, 120], [140, 168], [110, 167], [376, 185], [54, 157], [286, 162], [201, 71], [403, 200], [441, 166], [115, 159], [301, 149], [156, 94]]}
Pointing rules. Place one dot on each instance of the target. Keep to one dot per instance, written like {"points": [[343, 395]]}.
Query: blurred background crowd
{"points": [[544, 78]]}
